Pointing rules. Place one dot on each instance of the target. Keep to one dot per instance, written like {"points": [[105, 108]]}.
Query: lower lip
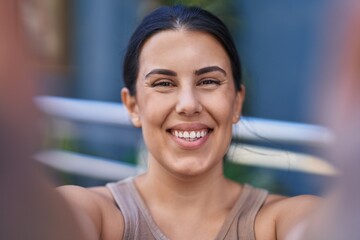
{"points": [[190, 145]]}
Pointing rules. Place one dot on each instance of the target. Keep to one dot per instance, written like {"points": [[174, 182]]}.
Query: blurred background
{"points": [[81, 43]]}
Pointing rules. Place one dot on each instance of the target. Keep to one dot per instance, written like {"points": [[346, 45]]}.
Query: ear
{"points": [[238, 104], [131, 106]]}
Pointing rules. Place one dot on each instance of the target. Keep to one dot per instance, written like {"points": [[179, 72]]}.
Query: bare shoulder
{"points": [[96, 204], [280, 214]]}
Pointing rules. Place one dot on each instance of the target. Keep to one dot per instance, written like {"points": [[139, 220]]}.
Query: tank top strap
{"points": [[126, 205], [138, 221], [241, 220]]}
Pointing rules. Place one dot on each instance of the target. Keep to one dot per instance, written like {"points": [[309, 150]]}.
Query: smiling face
{"points": [[185, 101]]}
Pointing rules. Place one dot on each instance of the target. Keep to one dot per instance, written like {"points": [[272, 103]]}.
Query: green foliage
{"points": [[224, 9], [257, 177]]}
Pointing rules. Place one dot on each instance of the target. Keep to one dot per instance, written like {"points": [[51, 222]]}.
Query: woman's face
{"points": [[185, 101]]}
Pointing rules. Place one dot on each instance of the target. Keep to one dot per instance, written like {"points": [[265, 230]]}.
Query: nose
{"points": [[188, 103]]}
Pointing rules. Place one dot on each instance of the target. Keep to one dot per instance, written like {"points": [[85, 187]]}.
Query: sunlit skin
{"points": [[185, 83]]}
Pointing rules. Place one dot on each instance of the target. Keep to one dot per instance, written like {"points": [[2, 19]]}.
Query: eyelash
{"points": [[163, 84], [209, 82]]}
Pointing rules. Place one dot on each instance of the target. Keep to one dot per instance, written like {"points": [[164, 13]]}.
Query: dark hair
{"points": [[172, 18]]}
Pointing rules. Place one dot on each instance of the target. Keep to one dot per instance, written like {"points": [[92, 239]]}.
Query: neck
{"points": [[200, 203], [161, 186]]}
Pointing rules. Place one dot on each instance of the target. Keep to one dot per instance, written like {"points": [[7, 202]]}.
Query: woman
{"points": [[183, 88]]}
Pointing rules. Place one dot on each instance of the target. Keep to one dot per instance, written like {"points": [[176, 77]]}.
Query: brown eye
{"points": [[163, 84], [209, 82]]}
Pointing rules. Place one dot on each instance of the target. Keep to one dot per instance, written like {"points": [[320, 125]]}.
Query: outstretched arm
{"points": [[280, 215], [29, 206]]}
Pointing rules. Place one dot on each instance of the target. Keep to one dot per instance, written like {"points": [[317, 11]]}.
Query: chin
{"points": [[192, 168]]}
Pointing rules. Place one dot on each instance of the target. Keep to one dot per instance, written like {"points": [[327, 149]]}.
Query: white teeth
{"points": [[186, 134], [190, 135]]}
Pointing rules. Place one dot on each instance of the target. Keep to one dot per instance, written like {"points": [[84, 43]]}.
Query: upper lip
{"points": [[189, 127]]}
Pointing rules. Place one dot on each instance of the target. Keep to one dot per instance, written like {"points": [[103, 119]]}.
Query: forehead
{"points": [[183, 48]]}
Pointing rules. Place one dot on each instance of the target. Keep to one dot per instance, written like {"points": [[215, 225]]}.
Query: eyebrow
{"points": [[162, 72], [197, 72], [210, 69]]}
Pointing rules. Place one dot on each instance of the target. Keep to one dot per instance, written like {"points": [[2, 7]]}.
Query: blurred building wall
{"points": [[279, 45], [99, 34]]}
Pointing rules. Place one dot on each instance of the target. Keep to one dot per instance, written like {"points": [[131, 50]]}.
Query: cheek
{"points": [[153, 109], [222, 106]]}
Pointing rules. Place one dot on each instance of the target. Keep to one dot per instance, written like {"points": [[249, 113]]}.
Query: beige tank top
{"points": [[140, 225]]}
